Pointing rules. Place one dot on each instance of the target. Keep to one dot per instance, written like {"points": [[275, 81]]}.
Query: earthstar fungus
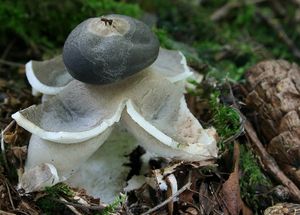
{"points": [[105, 50], [112, 89]]}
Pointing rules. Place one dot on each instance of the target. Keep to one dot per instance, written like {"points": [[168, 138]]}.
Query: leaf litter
{"points": [[172, 187]]}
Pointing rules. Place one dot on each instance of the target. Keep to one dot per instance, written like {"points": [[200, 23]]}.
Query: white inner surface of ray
{"points": [[68, 137]]}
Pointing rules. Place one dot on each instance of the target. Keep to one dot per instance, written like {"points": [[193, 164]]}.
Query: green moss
{"points": [[46, 24], [242, 38], [252, 179], [109, 6], [111, 208], [166, 41], [225, 119], [60, 189], [185, 21], [47, 204], [164, 38]]}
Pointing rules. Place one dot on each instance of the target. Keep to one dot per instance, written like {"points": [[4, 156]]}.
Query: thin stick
{"points": [[20, 212], [225, 9], [7, 49], [78, 205], [10, 63], [280, 33], [72, 208], [236, 108], [9, 195], [2, 146], [269, 163], [6, 213], [181, 190]]}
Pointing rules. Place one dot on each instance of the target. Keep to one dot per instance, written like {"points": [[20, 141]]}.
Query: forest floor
{"points": [[223, 41]]}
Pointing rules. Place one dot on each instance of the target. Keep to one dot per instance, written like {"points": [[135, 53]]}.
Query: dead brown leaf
{"points": [[231, 188], [10, 137], [20, 152], [231, 192], [192, 211], [187, 196], [3, 83]]}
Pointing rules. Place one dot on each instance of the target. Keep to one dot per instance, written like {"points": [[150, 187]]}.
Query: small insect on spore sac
{"points": [[107, 21]]}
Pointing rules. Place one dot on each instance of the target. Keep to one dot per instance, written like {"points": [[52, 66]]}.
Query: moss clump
{"points": [[47, 203], [60, 189], [253, 180], [225, 119], [45, 26], [111, 208], [236, 41], [166, 41]]}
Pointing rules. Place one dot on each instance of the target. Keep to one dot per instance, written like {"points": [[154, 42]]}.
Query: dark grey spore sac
{"points": [[109, 48]]}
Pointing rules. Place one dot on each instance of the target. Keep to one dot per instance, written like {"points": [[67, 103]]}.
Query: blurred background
{"points": [[221, 37]]}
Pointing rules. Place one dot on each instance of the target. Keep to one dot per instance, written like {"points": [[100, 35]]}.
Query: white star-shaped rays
{"points": [[83, 131]]}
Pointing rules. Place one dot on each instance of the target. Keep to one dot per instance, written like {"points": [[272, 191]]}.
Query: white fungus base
{"points": [[104, 174]]}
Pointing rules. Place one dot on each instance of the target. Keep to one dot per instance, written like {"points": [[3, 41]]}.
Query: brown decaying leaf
{"points": [[231, 188], [20, 152], [205, 203], [4, 200], [191, 211], [187, 196]]}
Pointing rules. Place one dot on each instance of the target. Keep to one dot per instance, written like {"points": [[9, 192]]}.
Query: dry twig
{"points": [[279, 30], [269, 163], [181, 190], [7, 49], [2, 146], [5, 213], [225, 9], [72, 208], [10, 63], [81, 206], [9, 195]]}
